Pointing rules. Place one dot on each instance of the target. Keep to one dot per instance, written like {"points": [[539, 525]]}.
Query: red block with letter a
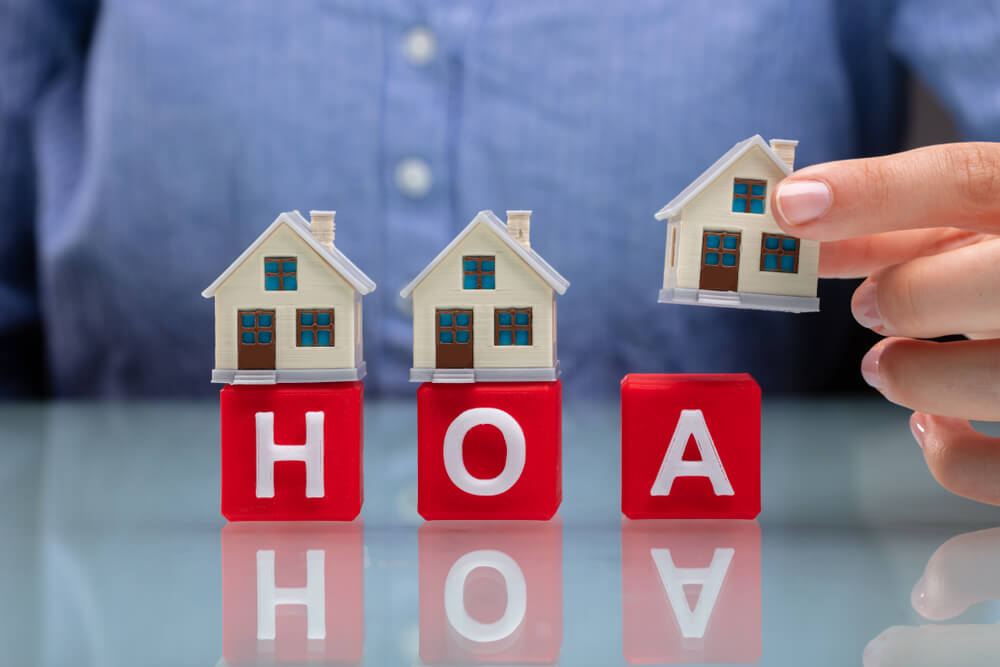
{"points": [[292, 452], [690, 446], [490, 592], [292, 593], [489, 450], [691, 592]]}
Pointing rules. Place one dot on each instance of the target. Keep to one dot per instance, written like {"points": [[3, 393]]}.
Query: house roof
{"points": [[530, 257], [713, 172], [294, 220]]}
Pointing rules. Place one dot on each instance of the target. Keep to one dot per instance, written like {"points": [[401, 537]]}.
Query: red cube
{"points": [[690, 447], [490, 592], [292, 452], [489, 450], [691, 592], [292, 593]]}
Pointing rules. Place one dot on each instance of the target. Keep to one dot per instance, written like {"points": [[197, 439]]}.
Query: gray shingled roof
{"points": [[713, 172], [293, 219], [530, 257]]}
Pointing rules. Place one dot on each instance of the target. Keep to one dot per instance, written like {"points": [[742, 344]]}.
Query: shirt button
{"points": [[413, 177], [419, 45]]}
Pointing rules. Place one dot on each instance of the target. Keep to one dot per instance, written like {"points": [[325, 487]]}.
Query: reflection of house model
{"points": [[723, 245], [484, 309], [289, 308]]}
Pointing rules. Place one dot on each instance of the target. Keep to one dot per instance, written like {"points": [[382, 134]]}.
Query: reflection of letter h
{"points": [[313, 596], [310, 453]]}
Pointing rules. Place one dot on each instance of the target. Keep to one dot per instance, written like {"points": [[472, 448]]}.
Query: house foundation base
{"points": [[468, 375], [745, 300], [289, 375]]}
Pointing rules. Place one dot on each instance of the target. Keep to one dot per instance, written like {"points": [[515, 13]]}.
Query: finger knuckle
{"points": [[976, 167], [899, 301]]}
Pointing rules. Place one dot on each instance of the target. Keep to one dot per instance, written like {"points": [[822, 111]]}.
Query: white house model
{"points": [[289, 308], [484, 309], [723, 245]]}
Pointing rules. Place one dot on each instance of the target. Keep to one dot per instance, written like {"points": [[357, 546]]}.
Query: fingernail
{"points": [[869, 366], [918, 426], [802, 201], [865, 306]]}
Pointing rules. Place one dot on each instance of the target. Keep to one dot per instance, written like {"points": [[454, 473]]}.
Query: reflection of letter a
{"points": [[693, 623]]}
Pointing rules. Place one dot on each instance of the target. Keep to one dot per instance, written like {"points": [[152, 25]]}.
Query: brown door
{"points": [[454, 338], [720, 261], [255, 329]]}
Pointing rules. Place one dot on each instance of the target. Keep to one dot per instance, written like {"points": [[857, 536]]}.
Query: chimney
{"points": [[785, 149], [519, 226], [321, 225]]}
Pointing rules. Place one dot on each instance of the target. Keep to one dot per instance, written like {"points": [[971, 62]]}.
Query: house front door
{"points": [[720, 261], [255, 331], [454, 338]]}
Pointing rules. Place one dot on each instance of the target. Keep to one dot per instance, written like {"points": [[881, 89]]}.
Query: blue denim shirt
{"points": [[144, 144]]}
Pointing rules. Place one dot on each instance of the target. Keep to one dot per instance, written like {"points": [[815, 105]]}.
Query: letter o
{"points": [[454, 596], [513, 438]]}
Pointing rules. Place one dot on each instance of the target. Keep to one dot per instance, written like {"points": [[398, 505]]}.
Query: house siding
{"points": [[517, 286], [319, 286], [712, 210]]}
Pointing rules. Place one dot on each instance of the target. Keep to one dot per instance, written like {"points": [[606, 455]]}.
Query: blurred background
{"points": [[143, 146]]}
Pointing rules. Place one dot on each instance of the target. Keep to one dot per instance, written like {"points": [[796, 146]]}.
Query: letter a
{"points": [[691, 423]]}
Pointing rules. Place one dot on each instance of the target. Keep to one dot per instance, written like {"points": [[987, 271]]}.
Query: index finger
{"points": [[951, 185]]}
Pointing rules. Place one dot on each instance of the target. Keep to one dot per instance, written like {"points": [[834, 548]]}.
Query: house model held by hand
{"points": [[724, 247], [288, 309], [484, 310]]}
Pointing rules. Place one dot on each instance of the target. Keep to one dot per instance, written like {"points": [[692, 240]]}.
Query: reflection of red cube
{"points": [[292, 452], [292, 593], [691, 592], [490, 592], [690, 447], [489, 450]]}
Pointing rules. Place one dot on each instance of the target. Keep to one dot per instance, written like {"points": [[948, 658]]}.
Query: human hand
{"points": [[922, 226]]}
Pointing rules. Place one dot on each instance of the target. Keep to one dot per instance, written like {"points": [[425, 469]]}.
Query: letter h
{"points": [[268, 453]]}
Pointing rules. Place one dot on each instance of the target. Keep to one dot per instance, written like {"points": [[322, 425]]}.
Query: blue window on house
{"points": [[512, 326], [314, 327], [454, 326], [748, 195], [779, 253], [479, 272], [712, 240], [712, 258], [280, 274], [256, 327]]}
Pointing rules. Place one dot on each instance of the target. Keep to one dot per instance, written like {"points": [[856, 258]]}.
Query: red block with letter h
{"points": [[489, 450], [292, 452], [690, 446]]}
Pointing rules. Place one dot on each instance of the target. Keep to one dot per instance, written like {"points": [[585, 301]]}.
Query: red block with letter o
{"points": [[489, 450], [690, 446], [292, 452]]}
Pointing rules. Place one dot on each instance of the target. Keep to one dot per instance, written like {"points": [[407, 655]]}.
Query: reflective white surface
{"points": [[113, 553]]}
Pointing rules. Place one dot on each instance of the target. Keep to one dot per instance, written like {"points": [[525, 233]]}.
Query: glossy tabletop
{"points": [[114, 553]]}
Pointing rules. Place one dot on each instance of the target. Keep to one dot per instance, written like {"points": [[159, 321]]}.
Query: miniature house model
{"points": [[723, 245], [484, 309], [289, 308]]}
